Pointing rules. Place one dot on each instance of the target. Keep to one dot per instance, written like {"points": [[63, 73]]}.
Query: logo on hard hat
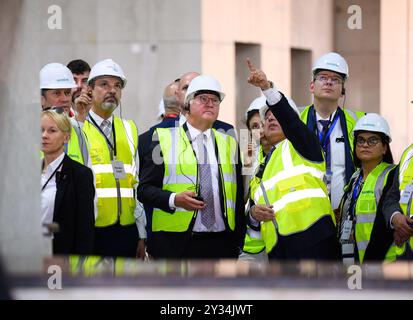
{"points": [[369, 124], [333, 64], [63, 80]]}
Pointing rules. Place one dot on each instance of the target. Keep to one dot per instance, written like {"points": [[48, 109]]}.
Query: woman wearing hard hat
{"points": [[362, 231], [257, 146], [253, 156]]}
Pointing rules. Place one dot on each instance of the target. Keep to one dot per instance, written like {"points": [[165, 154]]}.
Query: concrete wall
{"points": [[396, 68], [21, 242], [361, 49], [154, 41], [225, 23]]}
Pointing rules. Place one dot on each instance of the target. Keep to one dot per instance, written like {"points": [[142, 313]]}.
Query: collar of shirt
{"points": [[194, 132], [98, 119], [54, 164], [331, 117], [318, 118]]}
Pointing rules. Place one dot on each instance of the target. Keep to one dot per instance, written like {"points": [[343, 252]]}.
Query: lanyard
{"points": [[53, 174], [356, 193], [323, 139], [113, 147]]}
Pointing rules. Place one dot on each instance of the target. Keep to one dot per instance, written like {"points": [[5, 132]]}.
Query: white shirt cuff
{"points": [[391, 218], [172, 201], [272, 95], [253, 221]]}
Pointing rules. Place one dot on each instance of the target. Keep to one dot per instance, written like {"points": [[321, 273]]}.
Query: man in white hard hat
{"points": [[332, 124], [397, 206], [184, 82], [192, 177], [81, 96], [120, 223], [56, 84], [289, 203]]}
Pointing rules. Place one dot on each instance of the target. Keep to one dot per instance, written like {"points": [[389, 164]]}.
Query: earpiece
{"points": [[343, 91], [186, 108]]}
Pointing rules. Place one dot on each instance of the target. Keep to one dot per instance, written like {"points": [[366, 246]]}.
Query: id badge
{"points": [[347, 227], [118, 169], [407, 194]]}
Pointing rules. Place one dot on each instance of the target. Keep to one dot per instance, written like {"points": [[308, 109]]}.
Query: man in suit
{"points": [[184, 82], [192, 177], [332, 125]]}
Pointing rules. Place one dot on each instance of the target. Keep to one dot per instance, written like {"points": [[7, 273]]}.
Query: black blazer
{"points": [[150, 192], [74, 209]]}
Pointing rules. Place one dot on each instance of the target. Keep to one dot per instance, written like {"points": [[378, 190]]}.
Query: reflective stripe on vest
{"points": [[295, 188], [405, 179], [253, 242], [181, 174], [115, 196], [366, 208]]}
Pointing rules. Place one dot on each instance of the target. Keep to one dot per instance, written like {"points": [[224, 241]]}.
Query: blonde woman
{"points": [[67, 189]]}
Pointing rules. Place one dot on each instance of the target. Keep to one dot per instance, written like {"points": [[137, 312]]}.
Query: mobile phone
{"points": [[199, 198]]}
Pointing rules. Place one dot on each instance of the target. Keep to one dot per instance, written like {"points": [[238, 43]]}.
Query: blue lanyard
{"points": [[323, 139], [356, 188]]}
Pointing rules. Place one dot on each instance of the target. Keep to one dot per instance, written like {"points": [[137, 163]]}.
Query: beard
{"points": [[108, 106]]}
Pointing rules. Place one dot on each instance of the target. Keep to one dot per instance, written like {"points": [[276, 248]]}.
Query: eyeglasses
{"points": [[59, 110], [205, 99], [324, 79], [371, 142]]}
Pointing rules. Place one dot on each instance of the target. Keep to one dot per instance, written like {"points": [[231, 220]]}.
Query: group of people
{"points": [[317, 182]]}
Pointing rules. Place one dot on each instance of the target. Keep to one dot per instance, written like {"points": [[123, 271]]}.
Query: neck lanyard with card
{"points": [[117, 165], [348, 223]]}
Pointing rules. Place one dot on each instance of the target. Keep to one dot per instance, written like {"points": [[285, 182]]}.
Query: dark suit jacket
{"points": [[150, 192], [74, 209]]}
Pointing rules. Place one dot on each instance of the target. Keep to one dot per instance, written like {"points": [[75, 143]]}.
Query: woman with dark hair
{"points": [[362, 230]]}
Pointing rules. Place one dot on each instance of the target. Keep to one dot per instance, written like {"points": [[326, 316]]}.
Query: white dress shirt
{"points": [[210, 145], [338, 158], [48, 195]]}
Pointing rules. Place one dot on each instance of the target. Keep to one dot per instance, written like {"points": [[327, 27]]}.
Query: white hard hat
{"points": [[107, 67], [161, 109], [265, 108], [203, 82], [374, 123], [332, 61], [56, 76], [256, 104]]}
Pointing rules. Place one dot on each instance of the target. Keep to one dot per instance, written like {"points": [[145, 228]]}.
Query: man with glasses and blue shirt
{"points": [[333, 125]]}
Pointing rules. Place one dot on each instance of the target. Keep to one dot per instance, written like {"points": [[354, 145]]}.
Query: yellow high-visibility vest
{"points": [[181, 174]]}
